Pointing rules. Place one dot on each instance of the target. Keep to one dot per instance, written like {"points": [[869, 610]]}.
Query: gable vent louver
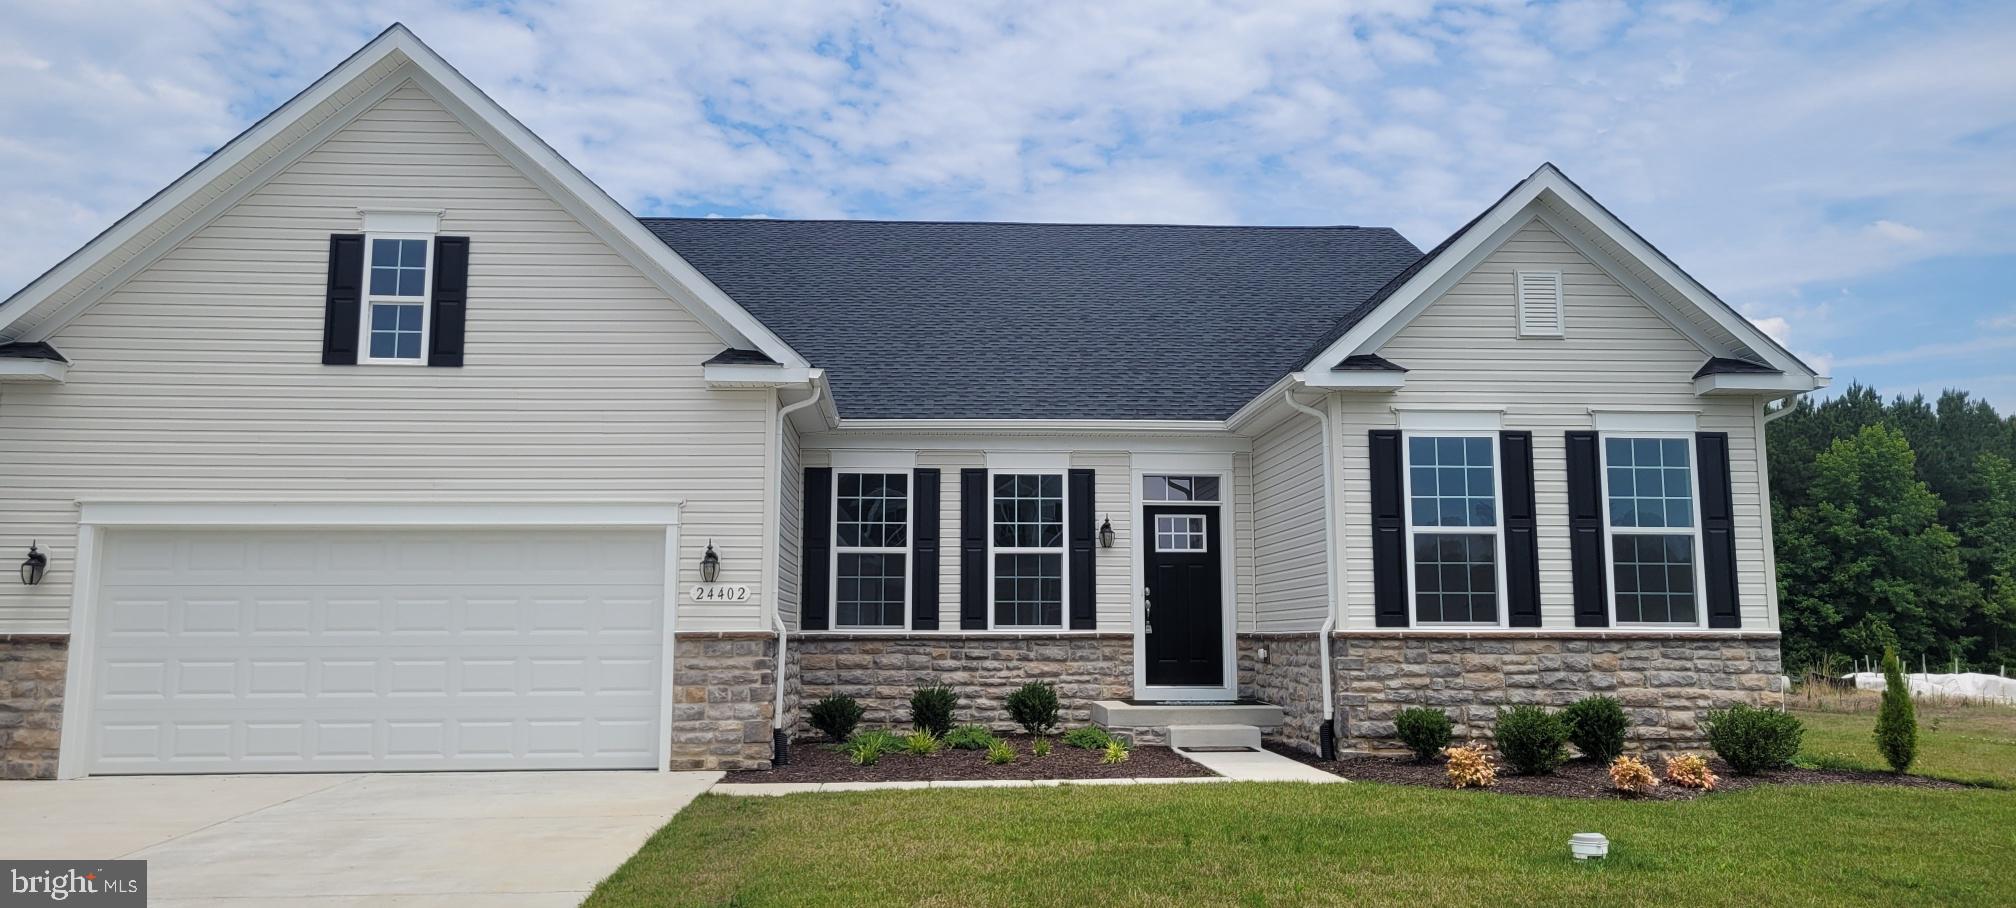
{"points": [[1540, 303]]}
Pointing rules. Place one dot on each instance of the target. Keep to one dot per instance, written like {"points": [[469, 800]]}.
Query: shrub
{"points": [[1000, 752], [867, 747], [1533, 741], [837, 716], [1034, 707], [1470, 767], [1041, 748], [921, 743], [931, 708], [1897, 722], [1116, 752], [1090, 737], [1424, 730], [1690, 771], [1596, 727], [1630, 775], [1752, 740], [969, 737]]}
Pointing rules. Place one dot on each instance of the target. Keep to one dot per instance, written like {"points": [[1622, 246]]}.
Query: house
{"points": [[384, 440]]}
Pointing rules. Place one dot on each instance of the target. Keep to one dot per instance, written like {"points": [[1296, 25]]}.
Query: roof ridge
{"points": [[950, 223]]}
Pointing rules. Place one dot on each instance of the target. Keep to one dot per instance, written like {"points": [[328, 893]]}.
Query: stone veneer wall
{"points": [[1289, 678], [880, 671], [31, 704], [1667, 682], [723, 698]]}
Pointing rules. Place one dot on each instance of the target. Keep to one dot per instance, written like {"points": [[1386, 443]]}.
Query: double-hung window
{"points": [[1649, 495], [397, 284], [871, 555], [1028, 549], [1453, 529]]}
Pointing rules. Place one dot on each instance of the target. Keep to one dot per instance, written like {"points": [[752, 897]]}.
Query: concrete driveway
{"points": [[403, 839]]}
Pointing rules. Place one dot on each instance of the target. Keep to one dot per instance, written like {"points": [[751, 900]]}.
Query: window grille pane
{"points": [[1654, 578], [1455, 577], [1028, 590], [868, 590], [1451, 482]]}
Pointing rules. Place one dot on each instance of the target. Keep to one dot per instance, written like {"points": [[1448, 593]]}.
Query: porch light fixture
{"points": [[1106, 533], [34, 566], [710, 564]]}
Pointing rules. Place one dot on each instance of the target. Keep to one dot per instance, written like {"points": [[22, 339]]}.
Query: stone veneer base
{"points": [[724, 688], [880, 671], [31, 704]]}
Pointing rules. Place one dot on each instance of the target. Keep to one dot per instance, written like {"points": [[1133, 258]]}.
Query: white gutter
{"points": [[1330, 558], [1791, 403], [777, 521]]}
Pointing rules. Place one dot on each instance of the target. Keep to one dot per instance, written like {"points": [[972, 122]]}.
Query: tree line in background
{"points": [[1896, 527]]}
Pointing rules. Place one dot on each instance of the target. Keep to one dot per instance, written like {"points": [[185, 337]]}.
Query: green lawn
{"points": [[1287, 844], [1974, 744]]}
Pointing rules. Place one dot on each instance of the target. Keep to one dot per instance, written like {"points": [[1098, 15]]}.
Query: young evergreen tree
{"points": [[1897, 722]]}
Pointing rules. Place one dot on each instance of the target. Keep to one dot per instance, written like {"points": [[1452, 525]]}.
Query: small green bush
{"points": [[1424, 730], [1041, 748], [1752, 740], [921, 743], [931, 708], [969, 737], [1596, 727], [836, 716], [1116, 752], [865, 748], [1000, 752], [1533, 741], [1089, 737], [1034, 707], [1897, 722]]}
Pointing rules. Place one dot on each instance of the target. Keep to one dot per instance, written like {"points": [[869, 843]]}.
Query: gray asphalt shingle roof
{"points": [[932, 320]]}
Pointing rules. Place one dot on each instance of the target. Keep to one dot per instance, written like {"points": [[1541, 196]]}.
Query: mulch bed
{"points": [[821, 761], [1584, 779]]}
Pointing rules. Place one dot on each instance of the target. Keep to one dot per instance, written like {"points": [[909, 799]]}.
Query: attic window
{"points": [[1539, 303]]}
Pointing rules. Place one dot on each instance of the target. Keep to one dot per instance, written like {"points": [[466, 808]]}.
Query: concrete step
{"points": [[1122, 714], [1214, 736]]}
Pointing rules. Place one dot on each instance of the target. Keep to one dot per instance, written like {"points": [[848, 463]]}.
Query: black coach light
{"points": [[34, 566], [1106, 533], [710, 564]]}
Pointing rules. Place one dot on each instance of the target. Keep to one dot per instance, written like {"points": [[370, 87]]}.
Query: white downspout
{"points": [[777, 725], [1330, 540]]}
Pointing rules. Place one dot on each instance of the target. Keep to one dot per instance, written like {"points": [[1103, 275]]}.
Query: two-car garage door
{"points": [[358, 649]]}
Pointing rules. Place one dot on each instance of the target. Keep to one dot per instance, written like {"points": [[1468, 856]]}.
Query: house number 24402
{"points": [[720, 592]]}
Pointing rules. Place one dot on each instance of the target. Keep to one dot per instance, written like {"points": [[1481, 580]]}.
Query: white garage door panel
{"points": [[233, 651]]}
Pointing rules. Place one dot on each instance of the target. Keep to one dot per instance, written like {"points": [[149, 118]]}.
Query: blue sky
{"points": [[1843, 172]]}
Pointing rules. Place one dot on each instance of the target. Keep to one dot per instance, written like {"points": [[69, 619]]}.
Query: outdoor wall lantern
{"points": [[710, 564], [34, 566], [1106, 534]]}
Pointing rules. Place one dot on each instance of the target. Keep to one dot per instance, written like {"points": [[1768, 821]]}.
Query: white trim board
{"points": [[571, 189]]}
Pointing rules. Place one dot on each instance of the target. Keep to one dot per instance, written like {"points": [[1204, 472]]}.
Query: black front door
{"points": [[1183, 612]]}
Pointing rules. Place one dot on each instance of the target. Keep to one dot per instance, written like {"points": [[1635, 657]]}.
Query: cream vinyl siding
{"points": [[790, 525], [201, 377], [1113, 569], [1464, 351], [1291, 575]]}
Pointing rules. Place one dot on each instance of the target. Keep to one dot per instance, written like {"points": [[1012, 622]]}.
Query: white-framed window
{"points": [[1652, 529], [398, 283], [1455, 538], [1193, 489], [871, 549], [1180, 533], [1028, 545]]}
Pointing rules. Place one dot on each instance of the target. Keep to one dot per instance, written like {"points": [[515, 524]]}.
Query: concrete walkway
{"points": [[334, 841], [1257, 766]]}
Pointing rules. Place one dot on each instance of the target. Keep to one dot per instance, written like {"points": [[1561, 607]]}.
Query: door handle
{"points": [[1148, 610]]}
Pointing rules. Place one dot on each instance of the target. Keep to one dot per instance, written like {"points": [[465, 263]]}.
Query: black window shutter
{"points": [[343, 301], [1522, 543], [1389, 532], [815, 569], [924, 550], [1079, 520], [451, 300], [973, 550], [1718, 529], [1585, 530]]}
